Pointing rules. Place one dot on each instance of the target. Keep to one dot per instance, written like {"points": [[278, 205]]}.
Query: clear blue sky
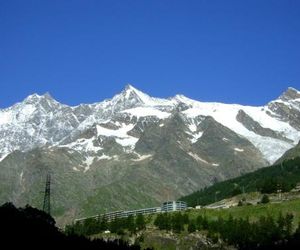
{"points": [[230, 51]]}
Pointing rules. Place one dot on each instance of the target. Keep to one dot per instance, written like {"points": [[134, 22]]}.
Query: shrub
{"points": [[265, 199]]}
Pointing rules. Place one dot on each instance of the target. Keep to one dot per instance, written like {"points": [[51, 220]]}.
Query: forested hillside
{"points": [[283, 176]]}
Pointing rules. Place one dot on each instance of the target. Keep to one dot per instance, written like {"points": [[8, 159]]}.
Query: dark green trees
{"points": [[266, 180], [92, 226], [140, 222], [265, 233], [163, 221], [171, 221], [265, 199], [192, 227]]}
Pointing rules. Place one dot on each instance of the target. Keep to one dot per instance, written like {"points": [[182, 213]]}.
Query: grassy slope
{"points": [[159, 239], [252, 211]]}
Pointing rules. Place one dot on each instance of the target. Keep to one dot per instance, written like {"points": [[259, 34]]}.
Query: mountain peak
{"points": [[131, 95], [47, 95], [130, 90], [183, 98], [45, 100], [37, 97], [129, 87], [290, 94], [34, 96]]}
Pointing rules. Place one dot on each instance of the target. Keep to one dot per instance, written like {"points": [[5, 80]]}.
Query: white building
{"points": [[169, 206]]}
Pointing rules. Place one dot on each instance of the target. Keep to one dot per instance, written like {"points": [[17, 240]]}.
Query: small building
{"points": [[169, 206]]}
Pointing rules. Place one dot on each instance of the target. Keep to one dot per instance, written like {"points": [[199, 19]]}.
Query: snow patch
{"points": [[142, 157], [2, 157], [161, 125], [88, 161], [239, 149], [22, 184], [104, 157], [115, 157], [120, 134], [193, 127], [83, 144], [5, 117], [196, 137], [127, 142], [26, 112], [21, 178], [197, 158], [146, 111]]}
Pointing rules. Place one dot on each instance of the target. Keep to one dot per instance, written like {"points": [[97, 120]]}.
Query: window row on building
{"points": [[122, 214], [173, 206], [167, 206]]}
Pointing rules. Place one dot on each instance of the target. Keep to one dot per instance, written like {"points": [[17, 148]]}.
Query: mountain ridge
{"points": [[290, 91], [129, 98], [150, 148]]}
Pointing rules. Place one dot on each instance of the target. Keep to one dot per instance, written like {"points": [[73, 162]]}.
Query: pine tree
{"points": [[158, 221], [103, 223], [130, 224], [265, 199], [289, 224], [140, 222], [191, 227], [177, 222]]}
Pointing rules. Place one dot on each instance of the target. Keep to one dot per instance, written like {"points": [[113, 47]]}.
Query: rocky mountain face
{"points": [[134, 150]]}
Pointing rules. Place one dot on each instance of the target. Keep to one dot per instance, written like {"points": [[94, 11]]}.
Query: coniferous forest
{"points": [[266, 232], [283, 176]]}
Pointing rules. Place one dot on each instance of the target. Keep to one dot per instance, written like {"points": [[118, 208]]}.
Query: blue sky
{"points": [[84, 51]]}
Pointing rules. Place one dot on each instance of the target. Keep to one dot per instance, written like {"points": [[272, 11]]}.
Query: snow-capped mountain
{"points": [[137, 142], [42, 121]]}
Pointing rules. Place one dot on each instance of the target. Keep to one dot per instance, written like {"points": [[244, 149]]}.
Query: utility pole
{"points": [[243, 190], [46, 205], [216, 195]]}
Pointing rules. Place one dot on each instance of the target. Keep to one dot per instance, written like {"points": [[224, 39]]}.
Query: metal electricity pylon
{"points": [[46, 205]]}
